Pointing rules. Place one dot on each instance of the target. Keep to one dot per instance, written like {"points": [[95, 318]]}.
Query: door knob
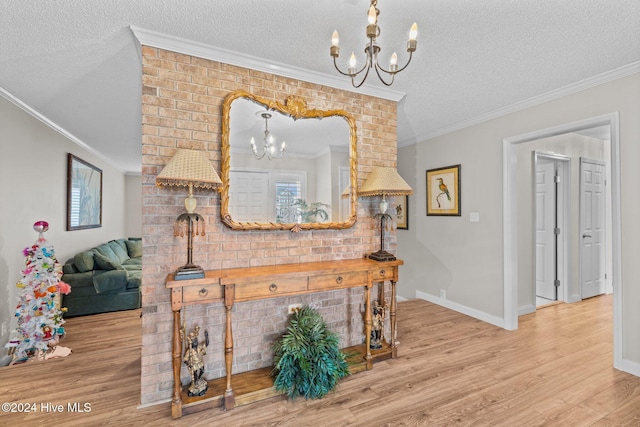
{"points": [[586, 235]]}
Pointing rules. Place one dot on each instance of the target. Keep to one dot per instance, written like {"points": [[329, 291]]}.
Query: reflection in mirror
{"points": [[286, 167]]}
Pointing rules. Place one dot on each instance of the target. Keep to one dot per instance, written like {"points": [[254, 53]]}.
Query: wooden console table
{"points": [[255, 283]]}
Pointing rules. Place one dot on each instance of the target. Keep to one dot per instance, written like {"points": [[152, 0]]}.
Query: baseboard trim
{"points": [[526, 309], [574, 298], [631, 367], [472, 312], [154, 403]]}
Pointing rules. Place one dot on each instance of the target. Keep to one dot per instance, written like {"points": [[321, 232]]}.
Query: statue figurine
{"points": [[193, 358], [377, 324]]}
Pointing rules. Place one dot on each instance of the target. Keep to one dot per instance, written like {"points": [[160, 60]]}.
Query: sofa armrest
{"points": [[109, 281]]}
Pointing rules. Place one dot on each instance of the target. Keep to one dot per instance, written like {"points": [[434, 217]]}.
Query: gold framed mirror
{"points": [[286, 167]]}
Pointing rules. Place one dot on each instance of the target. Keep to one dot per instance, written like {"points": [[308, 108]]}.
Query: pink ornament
{"points": [[65, 288], [41, 226]]}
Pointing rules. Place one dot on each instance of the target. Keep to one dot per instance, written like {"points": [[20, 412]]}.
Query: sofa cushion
{"points": [[84, 261], [79, 280], [69, 267], [134, 247], [134, 280], [106, 250], [133, 263], [105, 263], [120, 251], [110, 281]]}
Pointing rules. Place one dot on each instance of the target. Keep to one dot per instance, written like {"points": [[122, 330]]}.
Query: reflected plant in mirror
{"points": [[286, 167]]}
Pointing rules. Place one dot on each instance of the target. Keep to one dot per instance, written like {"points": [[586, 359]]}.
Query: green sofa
{"points": [[105, 278]]}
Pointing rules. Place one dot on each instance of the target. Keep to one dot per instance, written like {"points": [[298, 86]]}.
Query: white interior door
{"points": [[592, 227], [545, 220], [250, 196]]}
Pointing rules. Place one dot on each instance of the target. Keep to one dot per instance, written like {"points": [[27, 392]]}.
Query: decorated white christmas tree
{"points": [[39, 314]]}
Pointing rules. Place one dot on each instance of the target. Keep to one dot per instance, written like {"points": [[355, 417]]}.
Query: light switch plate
{"points": [[474, 217]]}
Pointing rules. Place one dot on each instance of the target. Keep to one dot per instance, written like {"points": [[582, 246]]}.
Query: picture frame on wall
{"points": [[84, 194], [402, 212], [443, 191]]}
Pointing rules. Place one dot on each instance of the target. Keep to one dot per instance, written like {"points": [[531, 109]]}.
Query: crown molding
{"points": [[189, 47], [570, 89], [56, 127]]}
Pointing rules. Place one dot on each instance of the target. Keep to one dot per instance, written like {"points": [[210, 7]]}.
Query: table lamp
{"points": [[189, 168], [384, 182]]}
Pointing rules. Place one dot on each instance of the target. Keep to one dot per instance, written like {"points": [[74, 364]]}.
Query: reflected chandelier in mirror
{"points": [[305, 187]]}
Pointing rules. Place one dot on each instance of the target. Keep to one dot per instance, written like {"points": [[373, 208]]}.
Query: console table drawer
{"points": [[338, 280], [385, 274], [270, 288], [202, 294]]}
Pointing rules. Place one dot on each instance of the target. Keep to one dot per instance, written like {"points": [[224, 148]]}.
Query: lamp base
{"points": [[382, 256], [189, 272]]}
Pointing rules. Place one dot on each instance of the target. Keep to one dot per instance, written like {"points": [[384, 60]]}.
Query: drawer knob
{"points": [[273, 287], [382, 273], [203, 292], [339, 280]]}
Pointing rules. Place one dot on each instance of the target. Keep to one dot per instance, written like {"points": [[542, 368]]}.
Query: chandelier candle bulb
{"points": [[352, 64], [393, 63], [412, 43], [335, 40], [413, 32], [372, 16]]}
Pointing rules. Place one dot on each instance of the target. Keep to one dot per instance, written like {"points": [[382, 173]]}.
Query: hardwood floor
{"points": [[555, 370]]}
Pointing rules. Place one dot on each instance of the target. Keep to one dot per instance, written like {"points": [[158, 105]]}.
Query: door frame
{"points": [[510, 243], [563, 209]]}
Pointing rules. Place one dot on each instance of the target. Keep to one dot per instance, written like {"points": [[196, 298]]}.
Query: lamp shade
{"points": [[384, 182], [189, 168]]}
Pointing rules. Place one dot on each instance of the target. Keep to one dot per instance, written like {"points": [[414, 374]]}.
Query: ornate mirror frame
{"points": [[296, 108]]}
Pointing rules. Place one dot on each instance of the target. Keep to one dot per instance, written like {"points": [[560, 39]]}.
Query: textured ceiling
{"points": [[76, 62]]}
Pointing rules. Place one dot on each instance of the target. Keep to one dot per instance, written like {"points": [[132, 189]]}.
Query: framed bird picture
{"points": [[443, 191], [402, 212]]}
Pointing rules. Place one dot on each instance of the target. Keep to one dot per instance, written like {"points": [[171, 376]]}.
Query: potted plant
{"points": [[307, 360], [311, 212]]}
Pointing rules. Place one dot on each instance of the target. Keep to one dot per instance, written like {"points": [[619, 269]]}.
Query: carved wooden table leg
{"points": [[176, 402], [229, 394], [392, 320], [367, 324]]}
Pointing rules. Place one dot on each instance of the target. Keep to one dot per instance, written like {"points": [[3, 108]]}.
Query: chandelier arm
{"points": [[255, 153], [350, 74], [393, 75], [381, 68], [363, 79]]}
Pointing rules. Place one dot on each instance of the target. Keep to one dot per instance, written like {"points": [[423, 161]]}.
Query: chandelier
{"points": [[371, 50], [268, 148]]}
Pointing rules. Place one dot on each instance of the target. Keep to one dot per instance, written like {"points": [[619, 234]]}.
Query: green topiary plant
{"points": [[311, 212], [307, 359]]}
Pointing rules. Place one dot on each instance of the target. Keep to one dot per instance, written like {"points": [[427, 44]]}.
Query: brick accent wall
{"points": [[181, 108]]}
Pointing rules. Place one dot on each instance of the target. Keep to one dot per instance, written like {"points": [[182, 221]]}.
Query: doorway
{"points": [[552, 190], [511, 231]]}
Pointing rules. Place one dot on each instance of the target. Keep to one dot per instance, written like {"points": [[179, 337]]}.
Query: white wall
{"points": [[133, 203], [33, 186], [466, 259]]}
